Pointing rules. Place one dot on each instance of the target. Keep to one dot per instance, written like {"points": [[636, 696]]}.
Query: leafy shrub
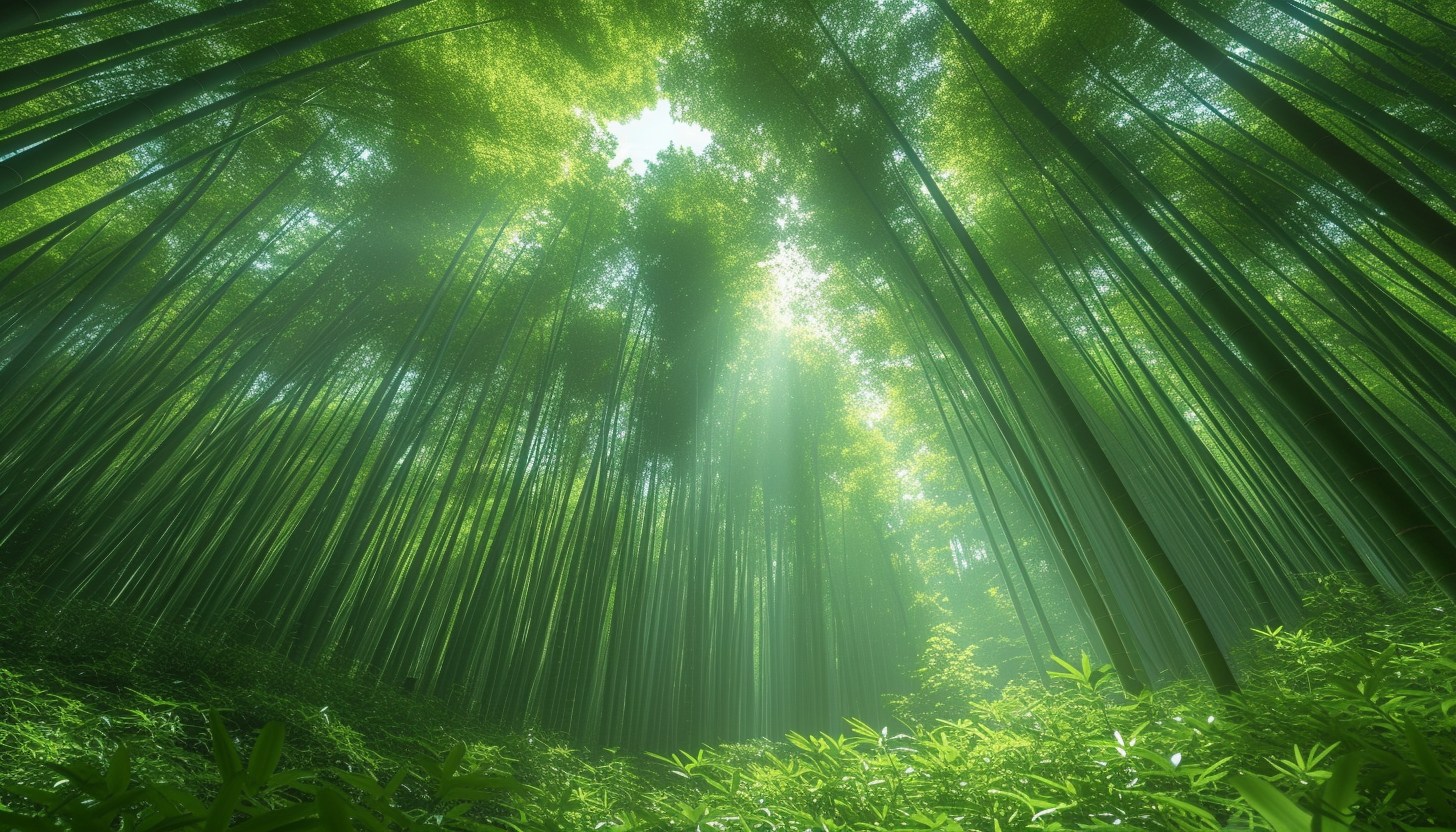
{"points": [[948, 679]]}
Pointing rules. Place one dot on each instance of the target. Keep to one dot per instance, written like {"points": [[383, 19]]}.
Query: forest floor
{"points": [[1348, 723]]}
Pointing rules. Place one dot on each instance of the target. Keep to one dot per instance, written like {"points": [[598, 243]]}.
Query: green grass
{"points": [[1355, 713]]}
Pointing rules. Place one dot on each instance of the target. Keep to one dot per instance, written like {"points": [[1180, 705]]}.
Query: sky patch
{"points": [[653, 131]]}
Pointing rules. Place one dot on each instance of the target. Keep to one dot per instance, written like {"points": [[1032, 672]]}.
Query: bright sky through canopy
{"points": [[642, 138]]}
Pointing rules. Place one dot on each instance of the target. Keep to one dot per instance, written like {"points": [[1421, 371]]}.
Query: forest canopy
{"points": [[1024, 330]]}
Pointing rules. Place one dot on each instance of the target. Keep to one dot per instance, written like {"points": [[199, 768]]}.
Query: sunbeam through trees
{"points": [[964, 390]]}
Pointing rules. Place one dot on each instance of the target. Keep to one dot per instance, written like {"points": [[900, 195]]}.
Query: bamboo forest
{"points": [[727, 415]]}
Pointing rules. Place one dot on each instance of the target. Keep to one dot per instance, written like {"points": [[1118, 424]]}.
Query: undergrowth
{"points": [[1344, 724]]}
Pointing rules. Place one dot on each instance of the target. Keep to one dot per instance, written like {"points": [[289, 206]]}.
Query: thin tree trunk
{"points": [[73, 59], [26, 164], [16, 16]]}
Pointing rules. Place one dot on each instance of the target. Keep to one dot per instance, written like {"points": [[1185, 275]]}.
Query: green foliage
{"points": [[1363, 738], [253, 794], [334, 347], [947, 680], [1332, 733]]}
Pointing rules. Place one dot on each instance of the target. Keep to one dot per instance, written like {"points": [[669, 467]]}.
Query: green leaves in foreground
{"points": [[1347, 725], [1090, 679], [1332, 805], [253, 796]]}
